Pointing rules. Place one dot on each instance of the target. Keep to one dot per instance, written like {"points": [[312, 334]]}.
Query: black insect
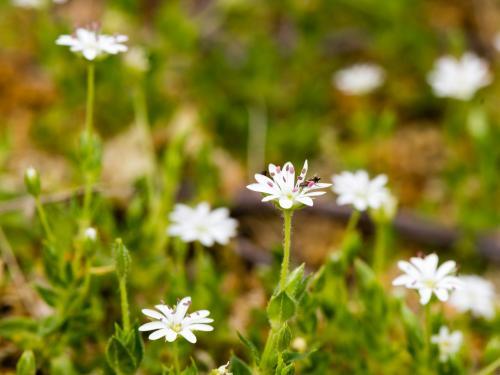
{"points": [[310, 182]]}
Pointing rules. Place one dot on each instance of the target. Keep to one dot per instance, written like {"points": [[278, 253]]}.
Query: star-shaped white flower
{"points": [[283, 188], [357, 189], [424, 275], [201, 224], [448, 343], [459, 78], [170, 322], [91, 44], [359, 79], [477, 296]]}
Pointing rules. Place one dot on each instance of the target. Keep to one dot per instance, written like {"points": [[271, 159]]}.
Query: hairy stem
{"points": [[43, 219], [124, 304], [89, 117], [287, 232]]}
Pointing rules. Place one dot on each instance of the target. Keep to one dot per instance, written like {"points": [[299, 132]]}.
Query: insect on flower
{"points": [[170, 322], [280, 185]]}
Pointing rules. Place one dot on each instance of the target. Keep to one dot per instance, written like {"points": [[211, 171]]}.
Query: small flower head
{"points": [[387, 210], [358, 190], [222, 370], [448, 343], [90, 234], [137, 59], [477, 295], [92, 44], [359, 79], [202, 224], [424, 275], [459, 78], [170, 322], [32, 181], [282, 187]]}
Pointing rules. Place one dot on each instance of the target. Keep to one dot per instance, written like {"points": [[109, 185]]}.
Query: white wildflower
{"points": [[424, 275], [357, 189], [222, 370], [169, 322], [477, 296], [91, 44], [201, 224], [90, 234], [459, 78], [359, 79], [448, 343], [137, 59], [283, 188]]}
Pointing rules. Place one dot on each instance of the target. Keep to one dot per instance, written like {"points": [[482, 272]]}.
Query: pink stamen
{"points": [[270, 184]]}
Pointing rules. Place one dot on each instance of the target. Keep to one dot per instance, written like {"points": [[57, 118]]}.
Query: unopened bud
{"points": [[32, 181], [122, 258], [299, 344], [90, 234]]}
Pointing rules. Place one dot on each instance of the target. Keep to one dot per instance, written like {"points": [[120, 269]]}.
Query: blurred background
{"points": [[248, 82]]}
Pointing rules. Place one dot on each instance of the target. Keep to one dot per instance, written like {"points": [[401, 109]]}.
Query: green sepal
{"points": [[26, 364]]}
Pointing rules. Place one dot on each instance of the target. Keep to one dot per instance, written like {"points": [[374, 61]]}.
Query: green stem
{"points": [[87, 198], [43, 219], [124, 304], [89, 119], [287, 229], [427, 336], [381, 237], [353, 221], [490, 369], [176, 357]]}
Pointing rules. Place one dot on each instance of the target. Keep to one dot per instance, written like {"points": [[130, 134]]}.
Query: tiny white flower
{"points": [[424, 275], [459, 78], [137, 59], [31, 173], [170, 322], [201, 224], [477, 296], [284, 189], [357, 189], [28, 3], [359, 79], [222, 370], [299, 344], [91, 44], [90, 234], [448, 343]]}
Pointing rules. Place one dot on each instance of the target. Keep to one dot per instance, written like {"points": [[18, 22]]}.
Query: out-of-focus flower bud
{"points": [[32, 181]]}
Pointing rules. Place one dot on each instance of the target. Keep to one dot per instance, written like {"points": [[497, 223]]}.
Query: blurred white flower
{"points": [[459, 78], [283, 188], [357, 189], [424, 275], [137, 59], [90, 234], [477, 296], [169, 322], [31, 173], [28, 3], [222, 370], [359, 79], [91, 44], [448, 343], [201, 224]]}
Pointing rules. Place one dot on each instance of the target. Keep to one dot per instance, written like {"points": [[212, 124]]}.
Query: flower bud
{"points": [[299, 344], [32, 181], [90, 234], [122, 258]]}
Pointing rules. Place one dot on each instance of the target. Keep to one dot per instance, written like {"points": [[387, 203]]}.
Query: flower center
{"points": [[430, 283], [176, 327]]}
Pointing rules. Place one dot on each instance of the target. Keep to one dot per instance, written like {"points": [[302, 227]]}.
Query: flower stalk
{"points": [[287, 234], [89, 117]]}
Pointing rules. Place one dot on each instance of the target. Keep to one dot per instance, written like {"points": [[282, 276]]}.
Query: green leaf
{"points": [[365, 274], [48, 295], [250, 345], [119, 357], [295, 282], [11, 328], [238, 367], [26, 364], [284, 337], [280, 308]]}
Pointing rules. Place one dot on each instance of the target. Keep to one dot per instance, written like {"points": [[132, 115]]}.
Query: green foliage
{"points": [[26, 364]]}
